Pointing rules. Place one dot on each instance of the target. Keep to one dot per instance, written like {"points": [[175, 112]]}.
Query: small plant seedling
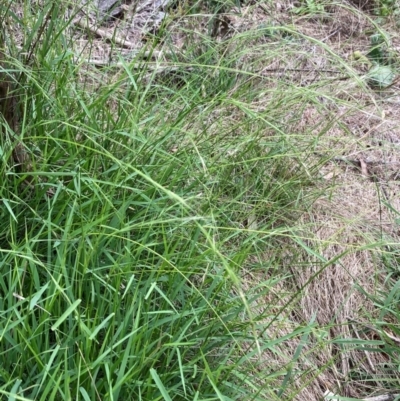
{"points": [[379, 50], [385, 8], [380, 76], [309, 7]]}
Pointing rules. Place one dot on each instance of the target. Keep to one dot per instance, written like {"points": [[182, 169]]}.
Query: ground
{"points": [[355, 131]]}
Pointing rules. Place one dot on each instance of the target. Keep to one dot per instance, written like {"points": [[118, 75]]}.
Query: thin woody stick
{"points": [[104, 34]]}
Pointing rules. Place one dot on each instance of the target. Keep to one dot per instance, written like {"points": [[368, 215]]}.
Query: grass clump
{"points": [[156, 246], [124, 241]]}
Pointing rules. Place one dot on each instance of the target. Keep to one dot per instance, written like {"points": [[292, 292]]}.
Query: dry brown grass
{"points": [[350, 216]]}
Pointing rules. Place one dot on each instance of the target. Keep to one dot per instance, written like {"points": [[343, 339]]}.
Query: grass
{"points": [[150, 249]]}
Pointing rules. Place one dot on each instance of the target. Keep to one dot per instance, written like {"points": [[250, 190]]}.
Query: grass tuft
{"points": [[151, 248]]}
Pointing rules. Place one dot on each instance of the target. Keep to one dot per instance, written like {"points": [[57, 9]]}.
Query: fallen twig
{"points": [[356, 162], [155, 68], [83, 23]]}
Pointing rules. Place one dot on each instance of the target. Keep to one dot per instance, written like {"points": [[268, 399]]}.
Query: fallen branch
{"points": [[104, 34]]}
